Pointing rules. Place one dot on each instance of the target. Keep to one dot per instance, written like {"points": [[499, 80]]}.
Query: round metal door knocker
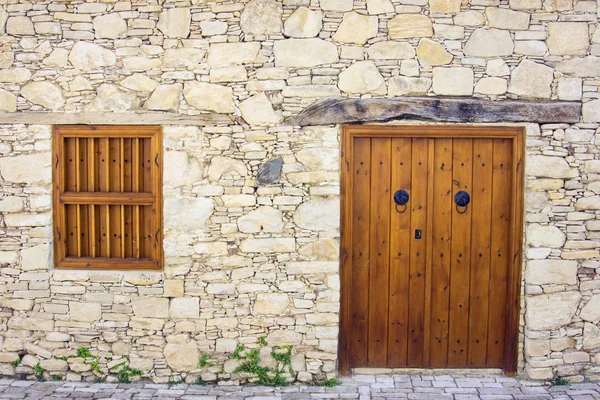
{"points": [[462, 199], [401, 198]]}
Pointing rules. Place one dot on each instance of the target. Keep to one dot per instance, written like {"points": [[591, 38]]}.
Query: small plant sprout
{"points": [[203, 363], [328, 382]]}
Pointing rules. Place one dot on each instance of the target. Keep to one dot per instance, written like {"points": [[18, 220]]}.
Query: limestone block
{"points": [[3, 18], [319, 158], [188, 57], [551, 311], [26, 168], [85, 311], [544, 272], [591, 311], [225, 345], [322, 249], [180, 169], [258, 111], [58, 337], [545, 236], [356, 29], [303, 23], [410, 26], [293, 286], [15, 75], [58, 58], [270, 304], [228, 74], [220, 288], [198, 211], [431, 53], [54, 365], [139, 83], [390, 50], [469, 18], [209, 97], [444, 6], [525, 4], [491, 86], [226, 54], [568, 38], [569, 89], [268, 245], [261, 17], [35, 258], [537, 347], [322, 319], [45, 94], [212, 248], [165, 98], [531, 80], [8, 101], [11, 204], [588, 203], [489, 43], [221, 166], [310, 91], [591, 111], [319, 214], [549, 167], [302, 53], [531, 48], [141, 63], [19, 26], [87, 56], [80, 83], [576, 357], [456, 81], [30, 323], [582, 67], [182, 356], [337, 5], [175, 22], [362, 77], [406, 86], [48, 28], [184, 307], [263, 219], [375, 7], [110, 98], [7, 59], [213, 27], [503, 18], [109, 26], [284, 337], [446, 31], [591, 337], [150, 307]]}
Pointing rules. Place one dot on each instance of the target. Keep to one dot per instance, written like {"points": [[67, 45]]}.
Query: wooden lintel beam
{"points": [[449, 109], [110, 118]]}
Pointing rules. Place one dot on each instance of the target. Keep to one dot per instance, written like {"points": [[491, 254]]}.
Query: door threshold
{"points": [[428, 371]]}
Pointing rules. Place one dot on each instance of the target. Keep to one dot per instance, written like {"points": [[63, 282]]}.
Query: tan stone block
{"points": [[432, 53], [444, 6], [150, 307], [410, 26], [270, 304], [568, 38], [173, 287], [87, 312]]}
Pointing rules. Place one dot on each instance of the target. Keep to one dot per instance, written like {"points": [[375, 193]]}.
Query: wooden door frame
{"points": [[514, 133]]}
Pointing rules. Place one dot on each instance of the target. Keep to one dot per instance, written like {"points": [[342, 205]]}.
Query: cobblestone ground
{"points": [[360, 387]]}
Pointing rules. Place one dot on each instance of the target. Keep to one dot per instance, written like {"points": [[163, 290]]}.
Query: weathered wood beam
{"points": [[109, 118], [342, 110]]}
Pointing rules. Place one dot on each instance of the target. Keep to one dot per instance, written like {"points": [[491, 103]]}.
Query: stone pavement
{"points": [[362, 387]]}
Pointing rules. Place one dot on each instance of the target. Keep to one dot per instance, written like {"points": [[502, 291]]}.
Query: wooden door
{"points": [[428, 281]]}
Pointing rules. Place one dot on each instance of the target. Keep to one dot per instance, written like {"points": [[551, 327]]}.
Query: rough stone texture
{"points": [[45, 94], [318, 215], [362, 77], [175, 22], [502, 18], [407, 86], [87, 56], [489, 43], [165, 98], [8, 101], [182, 357], [303, 23], [375, 7], [568, 38], [269, 173], [410, 26], [209, 97], [491, 86], [258, 111], [389, 50], [551, 311], [591, 311], [545, 236], [356, 29], [304, 53], [543, 272], [453, 81], [110, 98], [432, 53], [110, 26], [532, 80], [262, 17], [444, 6], [225, 54]]}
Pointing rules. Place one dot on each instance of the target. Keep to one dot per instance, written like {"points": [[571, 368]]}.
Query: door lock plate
{"points": [[418, 234]]}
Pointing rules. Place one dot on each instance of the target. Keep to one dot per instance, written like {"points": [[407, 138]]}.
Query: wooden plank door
{"points": [[427, 284]]}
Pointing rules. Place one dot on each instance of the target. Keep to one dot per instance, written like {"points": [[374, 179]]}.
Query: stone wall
{"points": [[242, 261]]}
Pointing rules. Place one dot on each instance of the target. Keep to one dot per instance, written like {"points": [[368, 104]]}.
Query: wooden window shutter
{"points": [[107, 197]]}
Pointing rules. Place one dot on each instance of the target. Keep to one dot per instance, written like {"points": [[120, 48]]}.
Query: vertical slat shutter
{"points": [[107, 197]]}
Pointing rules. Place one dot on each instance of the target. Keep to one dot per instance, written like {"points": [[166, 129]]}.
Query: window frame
{"points": [[61, 198]]}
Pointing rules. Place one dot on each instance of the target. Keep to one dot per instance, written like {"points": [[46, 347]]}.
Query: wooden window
{"points": [[107, 186]]}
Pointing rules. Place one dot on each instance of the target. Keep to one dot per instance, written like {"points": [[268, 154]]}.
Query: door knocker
{"points": [[462, 199], [401, 198]]}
